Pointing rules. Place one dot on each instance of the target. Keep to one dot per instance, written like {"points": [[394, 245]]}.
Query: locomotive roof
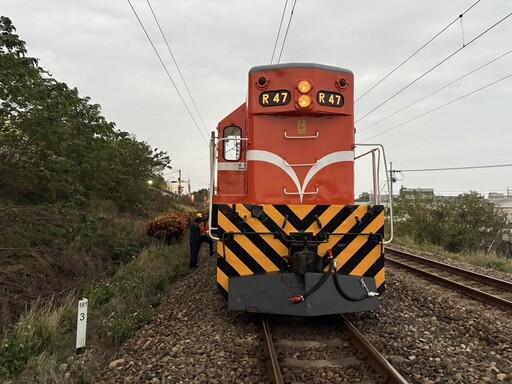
{"points": [[272, 67]]}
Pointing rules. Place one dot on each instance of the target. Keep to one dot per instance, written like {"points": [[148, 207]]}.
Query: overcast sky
{"points": [[99, 47]]}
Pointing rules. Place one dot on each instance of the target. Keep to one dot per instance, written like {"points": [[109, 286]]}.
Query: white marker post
{"points": [[81, 325]]}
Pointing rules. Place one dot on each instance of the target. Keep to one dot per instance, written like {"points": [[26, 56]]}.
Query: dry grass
{"points": [[40, 347], [478, 258]]}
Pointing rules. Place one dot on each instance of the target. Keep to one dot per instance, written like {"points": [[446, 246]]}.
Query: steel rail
{"points": [[274, 370], [488, 280], [469, 291], [378, 362]]}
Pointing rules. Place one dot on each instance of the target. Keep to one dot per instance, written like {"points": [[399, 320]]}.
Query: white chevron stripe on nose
{"points": [[272, 158]]}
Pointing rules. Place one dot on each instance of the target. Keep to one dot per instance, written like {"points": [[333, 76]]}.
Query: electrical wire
{"points": [[454, 168], [417, 51], [436, 91], [437, 108], [475, 190], [166, 71], [177, 67], [287, 29], [434, 67], [279, 31]]}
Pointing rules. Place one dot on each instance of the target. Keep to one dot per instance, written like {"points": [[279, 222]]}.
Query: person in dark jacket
{"points": [[195, 240], [205, 237]]}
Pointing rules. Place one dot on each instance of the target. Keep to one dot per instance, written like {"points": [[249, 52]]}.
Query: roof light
{"points": [[304, 86], [304, 101]]}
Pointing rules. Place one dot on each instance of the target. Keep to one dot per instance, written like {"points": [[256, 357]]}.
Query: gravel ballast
{"points": [[430, 333]]}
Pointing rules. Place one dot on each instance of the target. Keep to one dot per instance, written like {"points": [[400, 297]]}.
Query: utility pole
{"points": [[393, 179], [179, 182]]}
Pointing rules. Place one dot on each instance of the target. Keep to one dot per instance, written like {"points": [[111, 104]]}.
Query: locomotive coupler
{"points": [[305, 261]]}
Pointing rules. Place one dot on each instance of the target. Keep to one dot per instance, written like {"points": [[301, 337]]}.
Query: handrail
{"points": [[213, 163], [388, 182], [299, 193], [301, 137]]}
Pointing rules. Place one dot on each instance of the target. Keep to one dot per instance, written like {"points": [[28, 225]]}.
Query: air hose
{"points": [[346, 296], [323, 279]]}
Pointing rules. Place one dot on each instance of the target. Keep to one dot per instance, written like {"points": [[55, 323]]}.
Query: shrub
{"points": [[170, 226]]}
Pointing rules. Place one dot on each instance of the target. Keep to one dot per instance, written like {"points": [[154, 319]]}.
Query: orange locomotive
{"points": [[290, 238]]}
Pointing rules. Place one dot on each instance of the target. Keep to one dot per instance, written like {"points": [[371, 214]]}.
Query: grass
{"points": [[38, 348], [51, 250], [478, 258]]}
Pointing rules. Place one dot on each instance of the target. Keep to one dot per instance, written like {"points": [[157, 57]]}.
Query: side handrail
{"points": [[388, 183]]}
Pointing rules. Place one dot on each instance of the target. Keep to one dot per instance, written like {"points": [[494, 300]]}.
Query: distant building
{"points": [[178, 187], [504, 202], [423, 192]]}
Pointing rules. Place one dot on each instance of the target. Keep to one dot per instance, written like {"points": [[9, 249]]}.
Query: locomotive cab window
{"points": [[232, 148]]}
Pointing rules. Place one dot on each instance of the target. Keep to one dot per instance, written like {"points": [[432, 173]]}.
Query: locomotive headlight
{"points": [[304, 101], [304, 86]]}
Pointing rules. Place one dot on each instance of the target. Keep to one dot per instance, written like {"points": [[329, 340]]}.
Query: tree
{"points": [[56, 145], [363, 197], [457, 224], [200, 195]]}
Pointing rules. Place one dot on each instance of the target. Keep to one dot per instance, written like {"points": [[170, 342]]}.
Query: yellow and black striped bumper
{"points": [[252, 240]]}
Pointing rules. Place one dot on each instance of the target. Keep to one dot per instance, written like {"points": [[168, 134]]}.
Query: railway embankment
{"points": [[53, 255]]}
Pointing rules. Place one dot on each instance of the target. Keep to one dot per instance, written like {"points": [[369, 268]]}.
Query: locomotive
{"points": [[290, 239]]}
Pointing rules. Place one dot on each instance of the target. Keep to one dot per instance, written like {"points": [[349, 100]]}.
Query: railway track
{"points": [[334, 354], [481, 287]]}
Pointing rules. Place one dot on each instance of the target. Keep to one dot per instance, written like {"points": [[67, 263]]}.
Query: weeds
{"points": [[39, 343], [478, 258], [37, 331]]}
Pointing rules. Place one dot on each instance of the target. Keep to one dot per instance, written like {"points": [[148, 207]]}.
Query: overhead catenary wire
{"points": [[287, 29], [453, 168], [437, 108], [417, 51], [167, 71], [279, 31], [177, 67], [436, 91], [433, 68], [475, 190]]}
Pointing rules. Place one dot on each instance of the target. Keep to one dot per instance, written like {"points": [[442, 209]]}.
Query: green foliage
{"points": [[69, 180], [200, 195], [120, 327], [56, 146], [117, 307], [128, 298], [456, 224], [34, 334], [14, 356], [363, 197]]}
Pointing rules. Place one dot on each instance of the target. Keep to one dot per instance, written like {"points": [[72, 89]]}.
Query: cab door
{"points": [[232, 164]]}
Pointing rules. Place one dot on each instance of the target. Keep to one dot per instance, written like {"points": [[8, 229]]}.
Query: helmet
{"points": [[199, 215]]}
